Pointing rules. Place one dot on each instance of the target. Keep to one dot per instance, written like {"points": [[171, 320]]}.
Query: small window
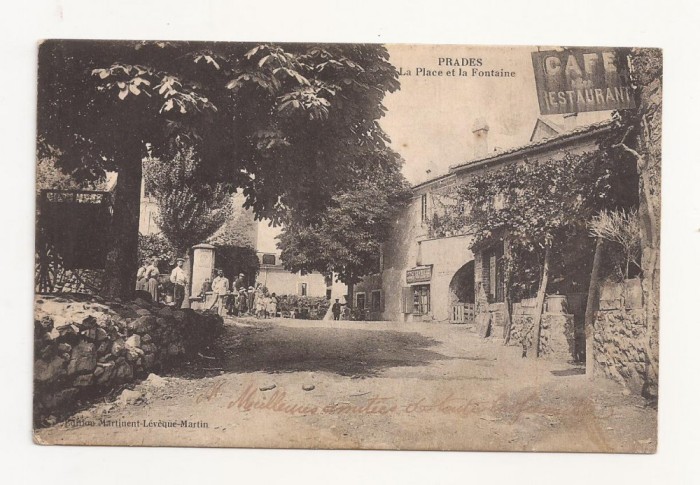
{"points": [[376, 262], [376, 300], [268, 259], [493, 273], [499, 201], [423, 207], [302, 289], [360, 301]]}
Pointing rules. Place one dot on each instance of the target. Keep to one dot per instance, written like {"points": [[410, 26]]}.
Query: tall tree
{"points": [[189, 210], [279, 121], [346, 238]]}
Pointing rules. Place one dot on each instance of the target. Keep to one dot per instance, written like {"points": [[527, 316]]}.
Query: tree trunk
{"points": [[592, 306], [539, 307], [507, 303], [121, 260], [508, 314], [351, 289]]}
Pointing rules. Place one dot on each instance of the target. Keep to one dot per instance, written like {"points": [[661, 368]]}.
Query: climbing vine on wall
{"points": [[537, 205]]}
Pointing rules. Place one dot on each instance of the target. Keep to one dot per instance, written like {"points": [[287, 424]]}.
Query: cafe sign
{"points": [[417, 275], [581, 79]]}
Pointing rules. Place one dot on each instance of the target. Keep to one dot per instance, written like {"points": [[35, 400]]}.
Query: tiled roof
{"points": [[560, 137], [581, 130]]}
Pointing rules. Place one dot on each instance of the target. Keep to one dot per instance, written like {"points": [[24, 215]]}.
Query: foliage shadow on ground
{"points": [[346, 352]]}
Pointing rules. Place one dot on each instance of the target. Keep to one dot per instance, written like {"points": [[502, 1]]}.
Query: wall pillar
{"points": [[203, 259]]}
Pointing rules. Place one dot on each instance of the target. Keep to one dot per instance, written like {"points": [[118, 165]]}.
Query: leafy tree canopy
{"points": [[346, 237], [287, 123]]}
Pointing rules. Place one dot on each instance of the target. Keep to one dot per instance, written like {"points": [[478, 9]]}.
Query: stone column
{"points": [[203, 259]]}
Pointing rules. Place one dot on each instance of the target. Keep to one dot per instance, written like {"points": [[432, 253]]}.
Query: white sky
{"points": [[430, 119]]}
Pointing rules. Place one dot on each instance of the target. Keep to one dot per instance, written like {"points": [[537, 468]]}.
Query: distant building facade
{"points": [[277, 279]]}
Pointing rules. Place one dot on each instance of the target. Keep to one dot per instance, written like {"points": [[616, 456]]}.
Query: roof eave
{"points": [[539, 147]]}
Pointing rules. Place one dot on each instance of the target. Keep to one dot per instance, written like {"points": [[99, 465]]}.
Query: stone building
{"points": [[427, 275]]}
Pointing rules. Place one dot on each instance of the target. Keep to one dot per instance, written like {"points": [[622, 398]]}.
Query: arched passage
{"points": [[462, 285]]}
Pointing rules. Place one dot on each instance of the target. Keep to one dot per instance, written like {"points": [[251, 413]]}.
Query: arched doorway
{"points": [[462, 294]]}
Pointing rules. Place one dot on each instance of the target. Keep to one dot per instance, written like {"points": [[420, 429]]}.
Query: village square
{"points": [[261, 245]]}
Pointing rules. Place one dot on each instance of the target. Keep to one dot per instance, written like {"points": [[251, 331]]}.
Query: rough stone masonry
{"points": [[85, 346]]}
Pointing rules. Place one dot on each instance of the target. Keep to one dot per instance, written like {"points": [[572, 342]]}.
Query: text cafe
{"points": [[581, 79], [416, 296]]}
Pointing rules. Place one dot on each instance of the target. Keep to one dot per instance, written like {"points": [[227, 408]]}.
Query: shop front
{"points": [[416, 296]]}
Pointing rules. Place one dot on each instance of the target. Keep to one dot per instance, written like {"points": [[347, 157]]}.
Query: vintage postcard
{"points": [[347, 246]]}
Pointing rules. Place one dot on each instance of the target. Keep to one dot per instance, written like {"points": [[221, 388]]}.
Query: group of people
{"points": [[227, 299], [147, 280], [239, 300]]}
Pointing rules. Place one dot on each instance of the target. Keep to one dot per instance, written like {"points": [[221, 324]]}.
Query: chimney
{"points": [[481, 131], [570, 121]]}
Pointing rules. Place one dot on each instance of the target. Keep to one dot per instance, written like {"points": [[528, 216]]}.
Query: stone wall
{"points": [[620, 336], [557, 340], [85, 346]]}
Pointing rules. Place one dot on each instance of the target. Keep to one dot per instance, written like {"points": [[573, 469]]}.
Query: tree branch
{"points": [[634, 153]]}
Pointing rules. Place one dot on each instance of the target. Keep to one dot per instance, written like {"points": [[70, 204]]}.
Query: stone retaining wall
{"points": [[85, 346], [620, 335], [556, 336]]}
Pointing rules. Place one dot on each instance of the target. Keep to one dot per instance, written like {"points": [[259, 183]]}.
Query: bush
{"points": [[621, 228], [307, 307]]}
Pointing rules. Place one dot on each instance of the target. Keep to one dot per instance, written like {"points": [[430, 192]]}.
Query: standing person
{"points": [[242, 301], [231, 301], [336, 309], [152, 274], [251, 300], [220, 289], [272, 306], [141, 280], [179, 280], [260, 303]]}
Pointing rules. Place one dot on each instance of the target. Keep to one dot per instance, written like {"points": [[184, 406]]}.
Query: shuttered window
{"points": [[406, 300], [492, 275]]}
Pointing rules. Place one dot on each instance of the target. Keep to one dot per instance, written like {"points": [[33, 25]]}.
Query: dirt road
{"points": [[308, 384]]}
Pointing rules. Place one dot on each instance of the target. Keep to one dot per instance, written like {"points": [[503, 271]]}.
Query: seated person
{"points": [[206, 287]]}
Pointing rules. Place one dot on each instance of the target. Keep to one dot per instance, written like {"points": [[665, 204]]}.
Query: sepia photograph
{"points": [[347, 246]]}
